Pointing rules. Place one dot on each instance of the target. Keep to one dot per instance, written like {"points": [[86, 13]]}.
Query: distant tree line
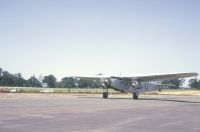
{"points": [[16, 80], [177, 83], [194, 83]]}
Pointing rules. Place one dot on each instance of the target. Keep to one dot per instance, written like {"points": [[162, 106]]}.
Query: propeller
{"points": [[135, 84]]}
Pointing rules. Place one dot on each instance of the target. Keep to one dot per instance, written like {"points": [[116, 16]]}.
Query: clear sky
{"points": [[85, 37]]}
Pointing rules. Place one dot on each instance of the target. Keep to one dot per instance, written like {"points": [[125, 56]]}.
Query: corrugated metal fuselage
{"points": [[126, 85]]}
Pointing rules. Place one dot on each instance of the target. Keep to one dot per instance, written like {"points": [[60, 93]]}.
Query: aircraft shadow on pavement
{"points": [[162, 99], [170, 100], [105, 99], [152, 99]]}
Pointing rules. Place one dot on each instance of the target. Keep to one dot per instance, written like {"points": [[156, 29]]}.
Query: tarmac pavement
{"points": [[92, 113]]}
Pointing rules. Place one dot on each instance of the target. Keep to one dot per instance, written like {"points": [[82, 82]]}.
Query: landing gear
{"points": [[159, 90], [105, 95], [135, 95]]}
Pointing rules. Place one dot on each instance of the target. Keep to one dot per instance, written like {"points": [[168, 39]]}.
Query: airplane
{"points": [[136, 84]]}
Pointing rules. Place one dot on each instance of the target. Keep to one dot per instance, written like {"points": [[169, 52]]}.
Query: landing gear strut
{"points": [[135, 95], [159, 90], [105, 94]]}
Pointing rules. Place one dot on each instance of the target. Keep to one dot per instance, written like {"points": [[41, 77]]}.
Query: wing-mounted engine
{"points": [[131, 83], [105, 83], [135, 84]]}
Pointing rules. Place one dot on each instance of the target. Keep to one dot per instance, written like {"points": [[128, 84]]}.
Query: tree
{"points": [[1, 70], [33, 82], [194, 83], [68, 82], [177, 82], [19, 81], [88, 83], [7, 79], [96, 83], [50, 80]]}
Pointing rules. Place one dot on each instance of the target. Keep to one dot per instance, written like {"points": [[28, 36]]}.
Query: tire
{"points": [[159, 90], [135, 95], [105, 95]]}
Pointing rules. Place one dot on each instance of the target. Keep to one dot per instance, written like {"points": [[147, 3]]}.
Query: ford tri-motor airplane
{"points": [[137, 84]]}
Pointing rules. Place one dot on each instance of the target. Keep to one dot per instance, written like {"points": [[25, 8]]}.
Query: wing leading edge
{"points": [[160, 77]]}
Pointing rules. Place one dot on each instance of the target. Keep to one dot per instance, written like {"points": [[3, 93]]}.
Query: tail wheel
{"points": [[105, 95], [135, 95]]}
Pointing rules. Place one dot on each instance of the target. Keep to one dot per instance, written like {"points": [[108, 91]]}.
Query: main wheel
{"points": [[135, 95], [159, 90], [105, 95]]}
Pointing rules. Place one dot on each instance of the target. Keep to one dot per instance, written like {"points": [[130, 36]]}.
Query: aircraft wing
{"points": [[91, 77], [163, 85], [160, 77]]}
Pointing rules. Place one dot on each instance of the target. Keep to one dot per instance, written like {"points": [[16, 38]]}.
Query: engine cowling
{"points": [[105, 83], [135, 84]]}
